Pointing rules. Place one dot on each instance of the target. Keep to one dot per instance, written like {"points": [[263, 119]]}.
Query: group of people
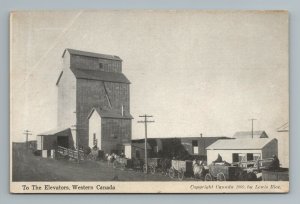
{"points": [[110, 158]]}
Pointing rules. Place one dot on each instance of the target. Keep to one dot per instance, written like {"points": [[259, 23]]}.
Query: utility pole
{"points": [[252, 119], [27, 133], [145, 121]]}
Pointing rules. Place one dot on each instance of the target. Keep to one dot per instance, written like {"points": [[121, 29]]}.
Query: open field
{"points": [[27, 167]]}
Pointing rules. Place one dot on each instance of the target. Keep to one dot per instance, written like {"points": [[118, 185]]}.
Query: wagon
{"points": [[180, 169], [221, 172], [153, 165], [138, 164], [164, 166], [120, 163]]}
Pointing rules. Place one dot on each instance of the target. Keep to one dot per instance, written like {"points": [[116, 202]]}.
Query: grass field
{"points": [[27, 167]]}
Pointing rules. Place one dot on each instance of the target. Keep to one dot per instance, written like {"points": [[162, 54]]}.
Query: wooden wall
{"points": [[115, 133], [93, 63]]}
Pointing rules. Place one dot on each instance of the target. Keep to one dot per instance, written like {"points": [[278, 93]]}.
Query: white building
{"points": [[242, 150]]}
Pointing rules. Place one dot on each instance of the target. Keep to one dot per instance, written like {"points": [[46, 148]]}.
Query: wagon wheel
{"points": [[89, 157], [208, 177], [180, 175], [243, 176], [93, 157], [164, 172], [221, 177], [152, 169], [171, 173], [115, 164]]}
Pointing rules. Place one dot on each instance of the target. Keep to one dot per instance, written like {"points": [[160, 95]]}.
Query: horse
{"points": [[137, 164], [198, 169], [165, 165], [110, 158]]}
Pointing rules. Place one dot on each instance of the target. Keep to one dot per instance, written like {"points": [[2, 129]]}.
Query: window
{"points": [[235, 157], [250, 157], [104, 67], [101, 67], [195, 143], [256, 156], [195, 147]]}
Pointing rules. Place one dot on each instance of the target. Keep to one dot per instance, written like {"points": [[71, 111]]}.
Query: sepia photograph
{"points": [[149, 101]]}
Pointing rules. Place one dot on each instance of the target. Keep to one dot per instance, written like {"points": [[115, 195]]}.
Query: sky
{"points": [[196, 72]]}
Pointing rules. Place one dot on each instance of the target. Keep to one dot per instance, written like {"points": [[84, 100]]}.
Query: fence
{"points": [[71, 153]]}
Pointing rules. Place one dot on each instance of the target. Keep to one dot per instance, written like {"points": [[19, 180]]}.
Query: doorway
{"points": [[63, 141]]}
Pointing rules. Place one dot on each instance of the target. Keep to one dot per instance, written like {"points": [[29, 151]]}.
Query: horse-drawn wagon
{"points": [[158, 165], [180, 169], [120, 163], [137, 164], [153, 165], [224, 172], [93, 155]]}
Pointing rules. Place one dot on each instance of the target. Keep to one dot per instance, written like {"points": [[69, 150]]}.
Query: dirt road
{"points": [[27, 167]]}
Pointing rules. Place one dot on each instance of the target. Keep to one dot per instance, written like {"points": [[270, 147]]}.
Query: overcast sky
{"points": [[195, 72]]}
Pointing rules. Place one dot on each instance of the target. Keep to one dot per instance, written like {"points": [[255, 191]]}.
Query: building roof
{"points": [[110, 114], [188, 138], [248, 134], [203, 138], [55, 132], [100, 75], [91, 54], [141, 145], [240, 144]]}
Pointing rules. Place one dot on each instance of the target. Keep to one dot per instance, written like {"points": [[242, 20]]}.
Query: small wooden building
{"points": [[110, 131], [242, 150], [51, 139], [138, 149]]}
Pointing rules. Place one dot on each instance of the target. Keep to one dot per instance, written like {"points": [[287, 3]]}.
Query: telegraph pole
{"points": [[27, 133], [252, 119], [145, 121]]}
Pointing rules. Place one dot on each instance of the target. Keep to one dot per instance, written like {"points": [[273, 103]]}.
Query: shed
{"points": [[138, 149], [242, 150], [53, 138]]}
